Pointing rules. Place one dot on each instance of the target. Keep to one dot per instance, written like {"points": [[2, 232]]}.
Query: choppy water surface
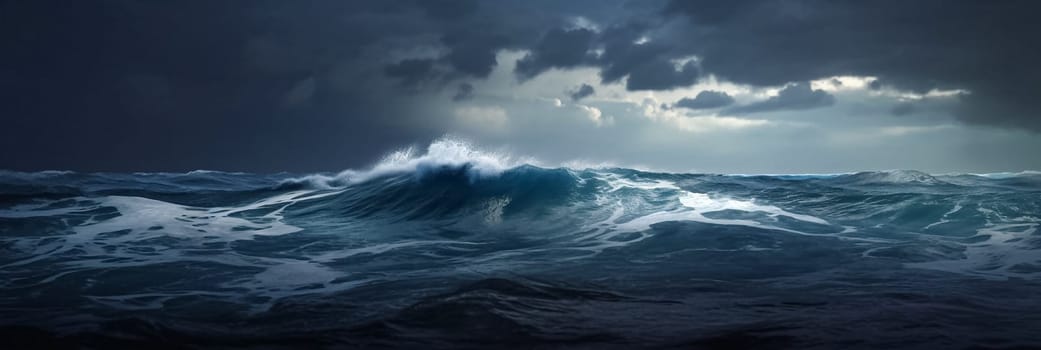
{"points": [[456, 249]]}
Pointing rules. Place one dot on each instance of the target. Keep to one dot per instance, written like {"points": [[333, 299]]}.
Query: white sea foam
{"points": [[1006, 247], [689, 206], [36, 174], [128, 238], [41, 210], [943, 219], [140, 219], [1005, 175], [444, 152], [903, 177], [705, 204], [618, 183]]}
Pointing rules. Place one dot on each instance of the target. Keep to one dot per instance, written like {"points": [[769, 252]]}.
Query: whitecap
{"points": [[443, 153]]}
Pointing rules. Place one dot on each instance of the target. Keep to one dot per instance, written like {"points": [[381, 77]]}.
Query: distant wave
{"points": [[445, 153]]}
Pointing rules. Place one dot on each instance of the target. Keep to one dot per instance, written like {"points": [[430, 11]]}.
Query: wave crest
{"points": [[443, 153], [889, 177]]}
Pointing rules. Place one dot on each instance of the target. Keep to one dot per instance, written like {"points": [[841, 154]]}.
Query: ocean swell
{"points": [[455, 247]]}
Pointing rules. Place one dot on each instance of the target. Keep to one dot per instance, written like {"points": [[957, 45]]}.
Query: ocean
{"points": [[457, 248]]}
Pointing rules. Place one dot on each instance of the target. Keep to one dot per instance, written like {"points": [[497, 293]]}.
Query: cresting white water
{"points": [[444, 152]]}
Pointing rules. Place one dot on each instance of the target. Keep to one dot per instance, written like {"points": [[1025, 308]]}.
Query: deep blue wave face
{"points": [[457, 255]]}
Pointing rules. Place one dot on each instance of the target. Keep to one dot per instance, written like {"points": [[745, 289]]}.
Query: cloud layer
{"points": [[706, 100], [272, 85], [798, 96]]}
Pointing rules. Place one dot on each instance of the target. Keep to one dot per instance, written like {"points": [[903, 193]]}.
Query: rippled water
{"points": [[463, 252]]}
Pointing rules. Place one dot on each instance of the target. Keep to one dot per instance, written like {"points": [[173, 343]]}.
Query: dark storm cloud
{"points": [[985, 47], [647, 64], [465, 92], [412, 71], [276, 85], [473, 33], [557, 49], [474, 55], [661, 75], [260, 85], [448, 10], [706, 100], [265, 85], [622, 54], [797, 96], [468, 56], [581, 92]]}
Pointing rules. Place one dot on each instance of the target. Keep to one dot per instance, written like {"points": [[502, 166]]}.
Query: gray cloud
{"points": [[980, 46], [647, 63], [447, 10], [661, 75], [317, 85], [557, 49], [465, 92], [798, 96], [412, 72], [301, 92], [581, 92], [232, 68], [474, 55], [180, 86], [622, 54], [705, 100], [903, 109]]}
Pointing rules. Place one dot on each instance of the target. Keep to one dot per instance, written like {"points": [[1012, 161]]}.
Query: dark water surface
{"points": [[425, 254]]}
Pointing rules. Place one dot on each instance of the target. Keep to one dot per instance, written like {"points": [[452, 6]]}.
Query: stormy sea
{"points": [[450, 247]]}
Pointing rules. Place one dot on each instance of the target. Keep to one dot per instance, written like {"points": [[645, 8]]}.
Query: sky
{"points": [[772, 86]]}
